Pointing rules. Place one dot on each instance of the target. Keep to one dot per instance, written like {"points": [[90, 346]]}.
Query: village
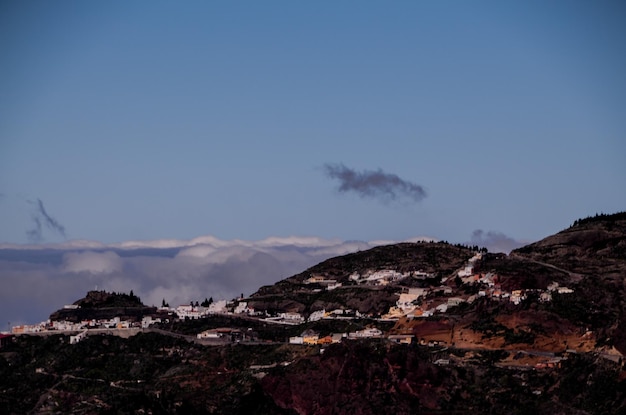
{"points": [[412, 303]]}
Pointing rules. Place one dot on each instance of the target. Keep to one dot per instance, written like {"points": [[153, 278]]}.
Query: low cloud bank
{"points": [[92, 262], [38, 279]]}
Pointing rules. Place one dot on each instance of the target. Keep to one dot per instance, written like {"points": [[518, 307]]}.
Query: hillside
{"points": [[294, 294], [592, 251], [100, 305], [406, 328], [591, 246]]}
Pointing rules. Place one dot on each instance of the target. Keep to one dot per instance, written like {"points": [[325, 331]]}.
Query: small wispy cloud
{"points": [[495, 241], [374, 183], [40, 219], [35, 234]]}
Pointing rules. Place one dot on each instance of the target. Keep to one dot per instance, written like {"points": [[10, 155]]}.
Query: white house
{"points": [[454, 301], [405, 302], [442, 308], [242, 308], [317, 315], [147, 321], [371, 332], [296, 340], [209, 334], [292, 317], [78, 337], [217, 307], [420, 275]]}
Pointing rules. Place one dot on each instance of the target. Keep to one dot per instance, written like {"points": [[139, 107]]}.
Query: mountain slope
{"points": [[591, 246], [295, 294], [540, 331]]}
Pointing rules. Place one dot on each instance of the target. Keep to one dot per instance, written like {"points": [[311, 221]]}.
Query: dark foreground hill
{"points": [[156, 374]]}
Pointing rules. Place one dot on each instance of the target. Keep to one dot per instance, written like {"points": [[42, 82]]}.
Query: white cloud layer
{"points": [[92, 262], [36, 280]]}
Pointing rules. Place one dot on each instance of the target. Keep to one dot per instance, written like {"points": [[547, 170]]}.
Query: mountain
{"points": [[298, 294], [425, 327]]}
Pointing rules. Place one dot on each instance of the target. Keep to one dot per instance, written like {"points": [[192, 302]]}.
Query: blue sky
{"points": [[151, 120]]}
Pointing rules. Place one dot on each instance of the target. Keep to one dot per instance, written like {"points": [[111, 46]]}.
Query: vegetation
{"points": [[600, 217]]}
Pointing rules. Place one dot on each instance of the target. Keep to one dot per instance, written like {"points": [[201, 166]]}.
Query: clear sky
{"points": [[159, 119]]}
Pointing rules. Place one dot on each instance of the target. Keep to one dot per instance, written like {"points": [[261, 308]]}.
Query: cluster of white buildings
{"points": [[225, 333], [419, 302], [185, 311], [310, 337], [292, 318], [409, 304], [412, 303], [386, 276], [69, 326], [29, 328], [469, 267], [190, 311]]}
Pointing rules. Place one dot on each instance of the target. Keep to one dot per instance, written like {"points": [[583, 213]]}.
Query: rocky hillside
{"points": [[593, 253], [100, 305], [591, 246], [296, 295], [456, 330]]}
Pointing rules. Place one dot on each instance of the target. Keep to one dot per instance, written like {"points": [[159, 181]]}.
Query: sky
{"points": [[149, 120], [484, 121]]}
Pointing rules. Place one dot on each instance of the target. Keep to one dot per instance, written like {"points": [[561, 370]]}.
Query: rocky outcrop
{"points": [[102, 305]]}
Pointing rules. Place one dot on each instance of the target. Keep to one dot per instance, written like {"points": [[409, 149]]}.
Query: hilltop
{"points": [[100, 305]]}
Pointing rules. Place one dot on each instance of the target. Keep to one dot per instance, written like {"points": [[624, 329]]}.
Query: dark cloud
{"points": [[495, 241], [41, 218], [375, 184]]}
